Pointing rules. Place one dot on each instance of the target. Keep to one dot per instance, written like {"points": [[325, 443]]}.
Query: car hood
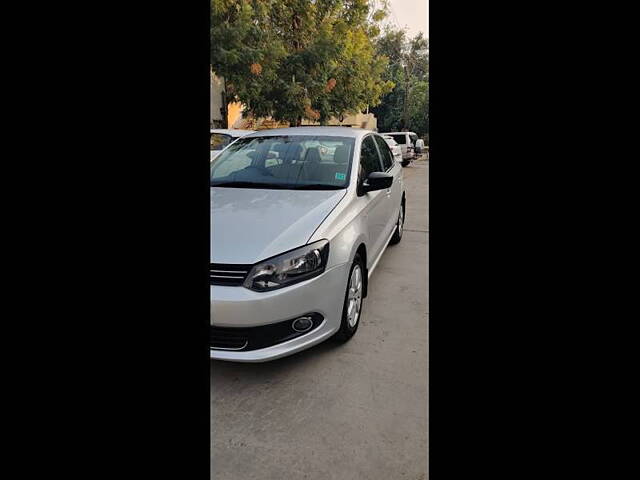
{"points": [[249, 225]]}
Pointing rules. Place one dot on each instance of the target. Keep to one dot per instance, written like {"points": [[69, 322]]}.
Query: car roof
{"points": [[319, 131], [396, 133], [231, 131]]}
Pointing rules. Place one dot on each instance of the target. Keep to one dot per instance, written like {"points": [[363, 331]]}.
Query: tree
{"points": [[389, 111], [407, 105], [415, 64], [295, 59], [418, 111]]}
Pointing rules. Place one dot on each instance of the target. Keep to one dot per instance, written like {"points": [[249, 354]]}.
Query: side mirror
{"points": [[377, 181]]}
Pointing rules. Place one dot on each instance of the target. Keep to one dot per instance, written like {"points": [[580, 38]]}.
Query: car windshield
{"points": [[219, 141], [297, 162]]}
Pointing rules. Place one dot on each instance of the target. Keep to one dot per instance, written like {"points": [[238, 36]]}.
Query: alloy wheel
{"points": [[354, 298]]}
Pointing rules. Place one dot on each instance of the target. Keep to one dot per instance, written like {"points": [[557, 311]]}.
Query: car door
{"points": [[394, 194], [376, 209]]}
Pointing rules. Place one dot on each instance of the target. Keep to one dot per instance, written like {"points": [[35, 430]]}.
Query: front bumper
{"points": [[241, 307]]}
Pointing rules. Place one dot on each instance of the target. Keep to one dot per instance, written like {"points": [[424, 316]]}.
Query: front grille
{"points": [[227, 274], [254, 338]]}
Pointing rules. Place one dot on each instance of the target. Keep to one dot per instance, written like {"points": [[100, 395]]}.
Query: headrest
{"points": [[341, 155], [290, 152], [313, 155]]}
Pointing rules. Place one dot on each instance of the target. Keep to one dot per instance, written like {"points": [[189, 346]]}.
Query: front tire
{"points": [[352, 307]]}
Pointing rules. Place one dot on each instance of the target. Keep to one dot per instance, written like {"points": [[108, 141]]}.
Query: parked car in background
{"points": [[222, 137], [300, 218], [407, 142], [395, 148]]}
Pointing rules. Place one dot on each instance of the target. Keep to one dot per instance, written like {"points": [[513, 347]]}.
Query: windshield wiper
{"points": [[246, 185], [316, 186]]}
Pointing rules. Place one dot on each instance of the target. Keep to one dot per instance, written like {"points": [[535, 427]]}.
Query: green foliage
{"points": [[407, 105], [419, 108], [292, 59]]}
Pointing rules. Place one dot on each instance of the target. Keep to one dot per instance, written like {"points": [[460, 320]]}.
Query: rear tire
{"points": [[353, 301], [405, 163]]}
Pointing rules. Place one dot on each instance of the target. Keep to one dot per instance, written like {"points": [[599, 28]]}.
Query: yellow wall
{"points": [[367, 121], [234, 113]]}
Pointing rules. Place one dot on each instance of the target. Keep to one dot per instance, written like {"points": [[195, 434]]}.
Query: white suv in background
{"points": [[407, 142], [395, 148]]}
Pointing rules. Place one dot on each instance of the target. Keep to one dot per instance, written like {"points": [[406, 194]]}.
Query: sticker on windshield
{"points": [[340, 176]]}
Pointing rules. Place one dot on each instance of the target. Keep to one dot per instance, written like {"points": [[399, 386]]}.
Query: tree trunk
{"points": [[405, 110], [224, 111]]}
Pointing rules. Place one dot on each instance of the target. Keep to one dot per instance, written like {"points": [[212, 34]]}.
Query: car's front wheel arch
{"points": [[362, 251]]}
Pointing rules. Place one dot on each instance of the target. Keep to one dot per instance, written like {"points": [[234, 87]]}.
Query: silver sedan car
{"points": [[299, 220]]}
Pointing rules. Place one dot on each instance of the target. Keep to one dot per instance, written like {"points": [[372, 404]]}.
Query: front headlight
{"points": [[292, 267]]}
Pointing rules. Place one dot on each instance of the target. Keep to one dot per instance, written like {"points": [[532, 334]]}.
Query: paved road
{"points": [[353, 411]]}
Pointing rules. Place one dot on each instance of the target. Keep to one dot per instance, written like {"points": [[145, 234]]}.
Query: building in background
{"points": [[219, 109], [216, 101], [367, 121], [235, 117]]}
